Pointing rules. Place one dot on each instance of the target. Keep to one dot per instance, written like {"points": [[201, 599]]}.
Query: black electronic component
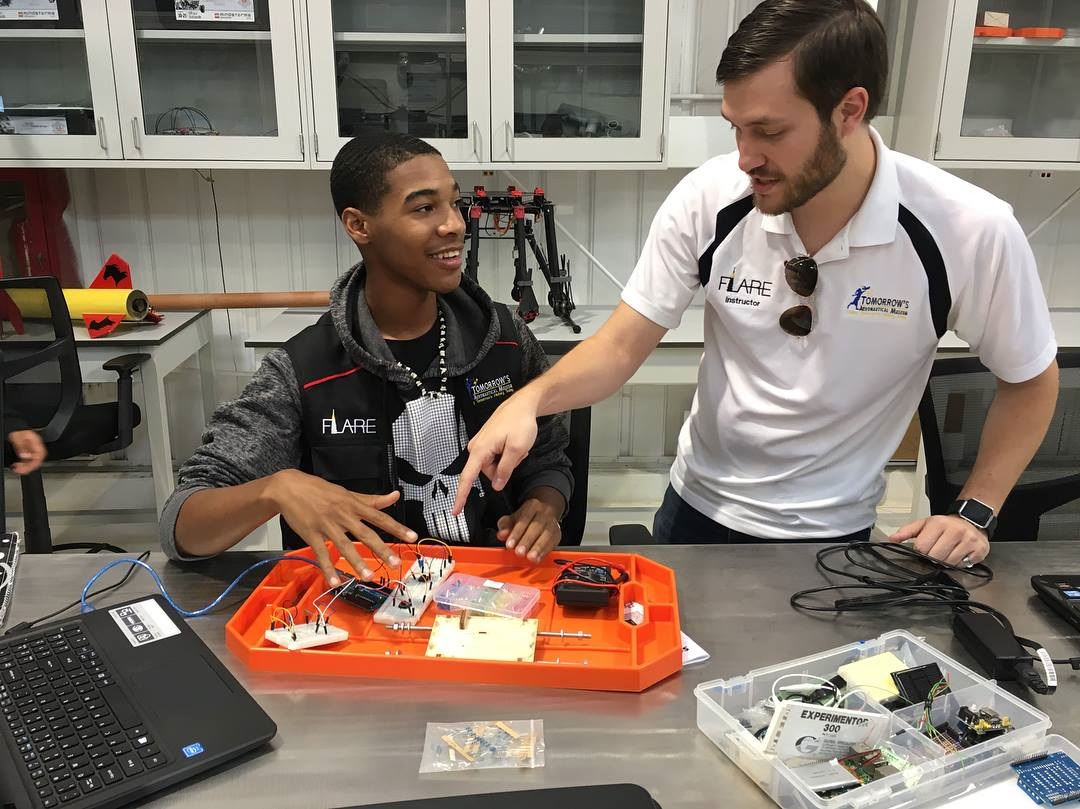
{"points": [[574, 594], [587, 584], [979, 724], [992, 642], [1061, 593], [993, 646], [914, 684], [827, 694], [366, 595]]}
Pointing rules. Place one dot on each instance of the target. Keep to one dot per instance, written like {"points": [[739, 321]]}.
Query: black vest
{"points": [[348, 415]]}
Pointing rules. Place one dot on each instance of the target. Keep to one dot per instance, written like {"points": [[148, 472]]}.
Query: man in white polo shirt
{"points": [[831, 266]]}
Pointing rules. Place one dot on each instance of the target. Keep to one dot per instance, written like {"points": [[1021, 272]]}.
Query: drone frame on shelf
{"points": [[522, 212]]}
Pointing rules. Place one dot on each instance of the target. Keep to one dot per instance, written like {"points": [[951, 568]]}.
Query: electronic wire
{"points": [[86, 607]]}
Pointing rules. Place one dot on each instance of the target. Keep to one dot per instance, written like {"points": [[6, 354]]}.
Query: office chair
{"points": [[41, 383], [951, 414], [573, 523]]}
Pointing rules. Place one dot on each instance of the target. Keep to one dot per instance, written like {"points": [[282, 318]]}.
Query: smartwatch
{"points": [[977, 513]]}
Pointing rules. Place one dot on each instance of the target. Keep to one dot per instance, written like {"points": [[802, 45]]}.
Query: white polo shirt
{"points": [[788, 436]]}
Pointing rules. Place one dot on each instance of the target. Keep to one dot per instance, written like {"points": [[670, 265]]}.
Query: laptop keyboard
{"points": [[75, 730]]}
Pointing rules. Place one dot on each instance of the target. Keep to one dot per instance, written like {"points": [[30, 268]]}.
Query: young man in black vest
{"points": [[359, 424]]}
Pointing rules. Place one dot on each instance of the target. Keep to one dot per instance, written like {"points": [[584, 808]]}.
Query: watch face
{"points": [[976, 512]]}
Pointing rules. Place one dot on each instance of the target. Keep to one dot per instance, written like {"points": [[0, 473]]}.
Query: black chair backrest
{"points": [[951, 415], [43, 358], [573, 524], [40, 380]]}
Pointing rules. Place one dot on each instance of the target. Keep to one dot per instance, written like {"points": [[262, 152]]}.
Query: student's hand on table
{"points": [[318, 510], [533, 530], [948, 538], [502, 443], [30, 450]]}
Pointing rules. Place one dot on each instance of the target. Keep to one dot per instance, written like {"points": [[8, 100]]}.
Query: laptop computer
{"points": [[597, 796], [113, 705]]}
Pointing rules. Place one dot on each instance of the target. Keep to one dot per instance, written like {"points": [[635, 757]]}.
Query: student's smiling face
{"points": [[417, 234], [789, 153]]}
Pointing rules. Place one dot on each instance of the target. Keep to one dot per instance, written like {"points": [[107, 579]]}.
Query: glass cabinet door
{"points": [[56, 82], [1011, 87], [207, 79], [578, 80], [418, 67]]}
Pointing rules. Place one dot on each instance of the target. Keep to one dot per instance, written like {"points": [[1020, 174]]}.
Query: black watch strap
{"points": [[977, 513]]}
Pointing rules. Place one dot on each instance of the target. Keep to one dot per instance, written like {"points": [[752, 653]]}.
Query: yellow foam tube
{"points": [[129, 302]]}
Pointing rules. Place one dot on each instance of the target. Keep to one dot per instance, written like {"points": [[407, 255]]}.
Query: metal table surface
{"points": [[354, 741]]}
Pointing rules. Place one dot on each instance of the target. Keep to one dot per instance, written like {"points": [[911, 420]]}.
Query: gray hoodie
{"points": [[259, 433]]}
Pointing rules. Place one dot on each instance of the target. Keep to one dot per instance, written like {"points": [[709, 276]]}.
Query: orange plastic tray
{"points": [[992, 31], [1039, 33], [618, 657]]}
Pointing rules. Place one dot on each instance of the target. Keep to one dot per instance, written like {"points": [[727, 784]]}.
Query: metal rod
{"points": [[237, 300], [562, 633]]}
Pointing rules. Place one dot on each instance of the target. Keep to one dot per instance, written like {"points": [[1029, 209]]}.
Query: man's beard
{"points": [[824, 165]]}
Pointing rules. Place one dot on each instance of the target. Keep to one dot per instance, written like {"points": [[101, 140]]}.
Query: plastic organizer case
{"points": [[931, 774], [486, 596]]}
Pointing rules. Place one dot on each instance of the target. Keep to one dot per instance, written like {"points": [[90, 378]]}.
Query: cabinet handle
{"points": [[102, 138], [135, 133], [509, 129], [477, 141]]}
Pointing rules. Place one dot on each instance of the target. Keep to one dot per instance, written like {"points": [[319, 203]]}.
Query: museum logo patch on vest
{"points": [[490, 389]]}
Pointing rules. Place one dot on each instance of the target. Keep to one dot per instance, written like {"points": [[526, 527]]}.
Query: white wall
{"points": [[1057, 246]]}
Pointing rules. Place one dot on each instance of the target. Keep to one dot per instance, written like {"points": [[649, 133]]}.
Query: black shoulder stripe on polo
{"points": [[934, 267], [726, 221]]}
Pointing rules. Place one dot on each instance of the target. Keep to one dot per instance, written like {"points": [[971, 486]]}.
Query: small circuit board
{"points": [[1051, 778]]}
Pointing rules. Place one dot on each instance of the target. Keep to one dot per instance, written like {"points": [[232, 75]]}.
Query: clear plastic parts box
{"points": [[931, 773], [486, 596]]}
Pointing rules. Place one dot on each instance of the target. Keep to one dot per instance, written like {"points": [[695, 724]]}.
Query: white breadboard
{"points": [[306, 636], [421, 581]]}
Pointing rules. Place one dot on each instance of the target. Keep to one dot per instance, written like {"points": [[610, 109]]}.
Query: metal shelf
{"points": [[379, 38], [42, 33], [578, 39], [1020, 43], [166, 35]]}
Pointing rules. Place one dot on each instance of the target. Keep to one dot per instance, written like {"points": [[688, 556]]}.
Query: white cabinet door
{"points": [[1013, 98], [215, 80], [576, 81], [413, 66], [57, 100]]}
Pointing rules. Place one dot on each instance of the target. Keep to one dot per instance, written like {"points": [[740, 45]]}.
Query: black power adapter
{"points": [[994, 647], [997, 650]]}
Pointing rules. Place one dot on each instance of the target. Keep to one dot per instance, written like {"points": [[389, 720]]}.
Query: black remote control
{"points": [[1062, 593], [9, 556]]}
